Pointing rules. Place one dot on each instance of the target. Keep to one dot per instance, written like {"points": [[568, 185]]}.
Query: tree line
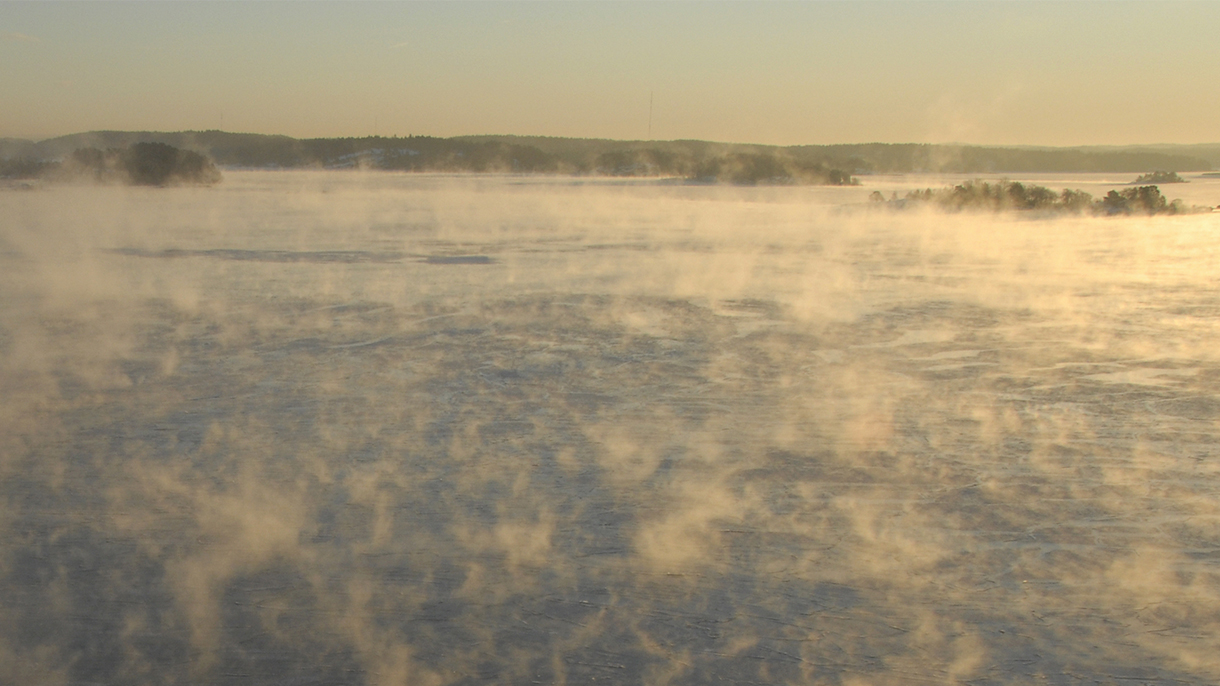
{"points": [[691, 159], [1006, 195], [140, 164]]}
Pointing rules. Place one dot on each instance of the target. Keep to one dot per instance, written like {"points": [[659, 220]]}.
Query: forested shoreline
{"points": [[694, 161]]}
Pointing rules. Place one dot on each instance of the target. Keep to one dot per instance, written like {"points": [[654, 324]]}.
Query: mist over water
{"points": [[343, 428]]}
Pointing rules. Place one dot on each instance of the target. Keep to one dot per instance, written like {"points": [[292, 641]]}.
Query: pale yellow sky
{"points": [[1015, 72]]}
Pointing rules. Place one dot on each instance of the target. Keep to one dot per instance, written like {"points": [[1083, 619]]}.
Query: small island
{"points": [[1158, 177], [1002, 196]]}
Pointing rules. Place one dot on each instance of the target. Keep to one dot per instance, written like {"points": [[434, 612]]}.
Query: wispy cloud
{"points": [[18, 37]]}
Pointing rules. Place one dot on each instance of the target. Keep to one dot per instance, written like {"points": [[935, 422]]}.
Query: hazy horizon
{"points": [[1002, 74], [624, 140]]}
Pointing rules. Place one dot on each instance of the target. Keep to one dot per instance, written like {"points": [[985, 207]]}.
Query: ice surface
{"points": [[344, 428]]}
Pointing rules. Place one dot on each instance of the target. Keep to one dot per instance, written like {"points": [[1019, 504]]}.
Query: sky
{"points": [[994, 72]]}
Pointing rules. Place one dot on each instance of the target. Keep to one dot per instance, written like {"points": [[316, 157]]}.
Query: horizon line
{"points": [[37, 141]]}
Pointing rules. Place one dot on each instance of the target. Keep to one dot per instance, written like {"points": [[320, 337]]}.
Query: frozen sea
{"points": [[354, 428]]}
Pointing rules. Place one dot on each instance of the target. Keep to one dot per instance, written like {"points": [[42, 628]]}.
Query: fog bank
{"points": [[337, 428]]}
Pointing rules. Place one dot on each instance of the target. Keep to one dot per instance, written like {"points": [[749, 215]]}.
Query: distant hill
{"points": [[696, 160], [13, 148], [1205, 151], [230, 149], [968, 159]]}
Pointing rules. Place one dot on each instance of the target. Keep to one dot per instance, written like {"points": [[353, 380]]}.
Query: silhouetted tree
{"points": [[1141, 200], [158, 164], [150, 164], [1075, 201]]}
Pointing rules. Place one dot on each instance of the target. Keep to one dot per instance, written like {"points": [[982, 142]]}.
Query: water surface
{"points": [[337, 428]]}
